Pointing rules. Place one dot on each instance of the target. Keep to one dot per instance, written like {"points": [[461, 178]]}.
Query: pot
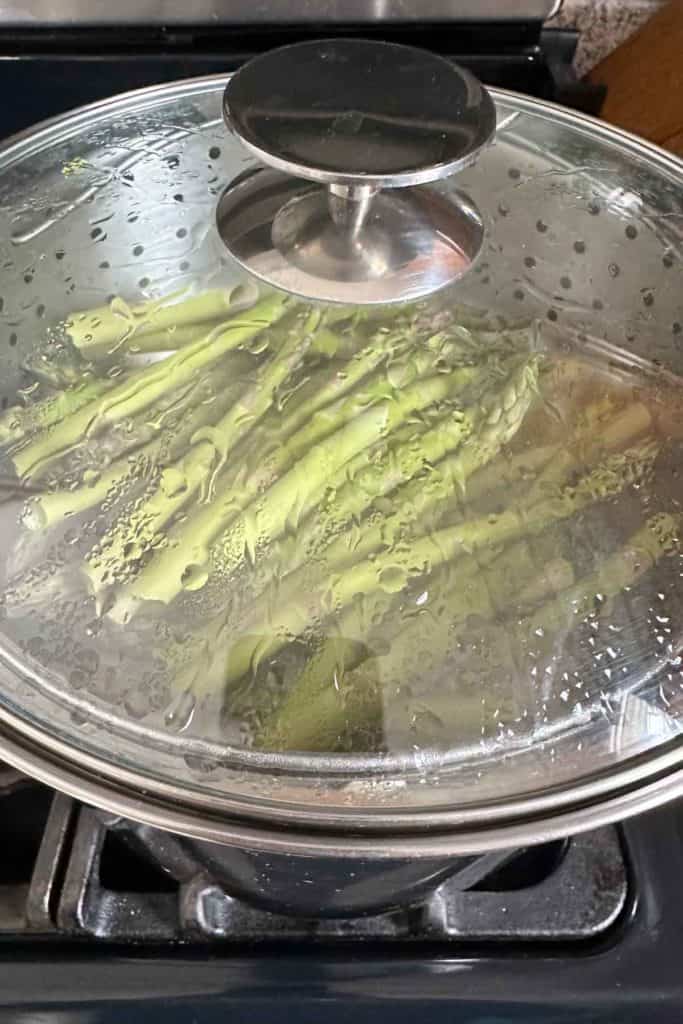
{"points": [[558, 246]]}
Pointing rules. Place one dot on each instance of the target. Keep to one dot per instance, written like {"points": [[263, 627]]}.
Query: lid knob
{"points": [[351, 131]]}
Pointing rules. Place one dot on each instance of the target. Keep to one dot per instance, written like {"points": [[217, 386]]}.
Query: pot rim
{"points": [[125, 800], [626, 789]]}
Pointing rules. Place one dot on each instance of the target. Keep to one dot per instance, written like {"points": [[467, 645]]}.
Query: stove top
{"points": [[101, 918]]}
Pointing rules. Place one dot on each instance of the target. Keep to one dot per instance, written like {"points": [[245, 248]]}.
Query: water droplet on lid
{"points": [[194, 577], [173, 482], [392, 578], [77, 678], [181, 712], [199, 765]]}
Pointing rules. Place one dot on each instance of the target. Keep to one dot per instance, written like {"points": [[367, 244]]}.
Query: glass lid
{"points": [[309, 561]]}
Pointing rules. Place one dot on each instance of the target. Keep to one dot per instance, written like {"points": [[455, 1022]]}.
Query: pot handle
{"points": [[357, 118]]}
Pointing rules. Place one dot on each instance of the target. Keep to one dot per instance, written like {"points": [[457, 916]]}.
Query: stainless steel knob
{"points": [[352, 131]]}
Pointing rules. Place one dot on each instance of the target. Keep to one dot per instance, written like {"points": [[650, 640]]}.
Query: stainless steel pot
{"points": [[583, 237]]}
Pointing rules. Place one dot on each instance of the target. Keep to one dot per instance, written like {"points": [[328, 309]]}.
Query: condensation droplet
{"points": [[194, 577], [181, 712]]}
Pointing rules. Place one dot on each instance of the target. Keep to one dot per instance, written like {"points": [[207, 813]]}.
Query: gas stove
{"points": [[99, 916]]}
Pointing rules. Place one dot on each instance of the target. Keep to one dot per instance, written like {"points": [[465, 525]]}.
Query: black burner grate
{"points": [[68, 871]]}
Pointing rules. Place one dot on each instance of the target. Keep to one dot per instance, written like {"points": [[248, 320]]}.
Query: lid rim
{"points": [[104, 784], [189, 85], [600, 790], [272, 836]]}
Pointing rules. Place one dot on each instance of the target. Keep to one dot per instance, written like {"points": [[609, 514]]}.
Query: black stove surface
{"points": [[94, 927], [47, 73]]}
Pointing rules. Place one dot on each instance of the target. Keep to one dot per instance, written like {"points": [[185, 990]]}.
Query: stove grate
{"points": [[68, 871]]}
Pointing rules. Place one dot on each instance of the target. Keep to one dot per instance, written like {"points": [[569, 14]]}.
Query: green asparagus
{"points": [[328, 521], [439, 483], [390, 571], [145, 386], [118, 323], [283, 504], [196, 471], [335, 691], [203, 406], [23, 421]]}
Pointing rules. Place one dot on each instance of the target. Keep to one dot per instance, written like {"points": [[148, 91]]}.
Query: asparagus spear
{"points": [[323, 702], [195, 471], [660, 535], [390, 571], [628, 423], [142, 388], [286, 500], [440, 485], [207, 400], [170, 339], [116, 323], [333, 695], [23, 421]]}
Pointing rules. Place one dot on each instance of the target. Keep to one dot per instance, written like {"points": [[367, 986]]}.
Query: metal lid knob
{"points": [[354, 130]]}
